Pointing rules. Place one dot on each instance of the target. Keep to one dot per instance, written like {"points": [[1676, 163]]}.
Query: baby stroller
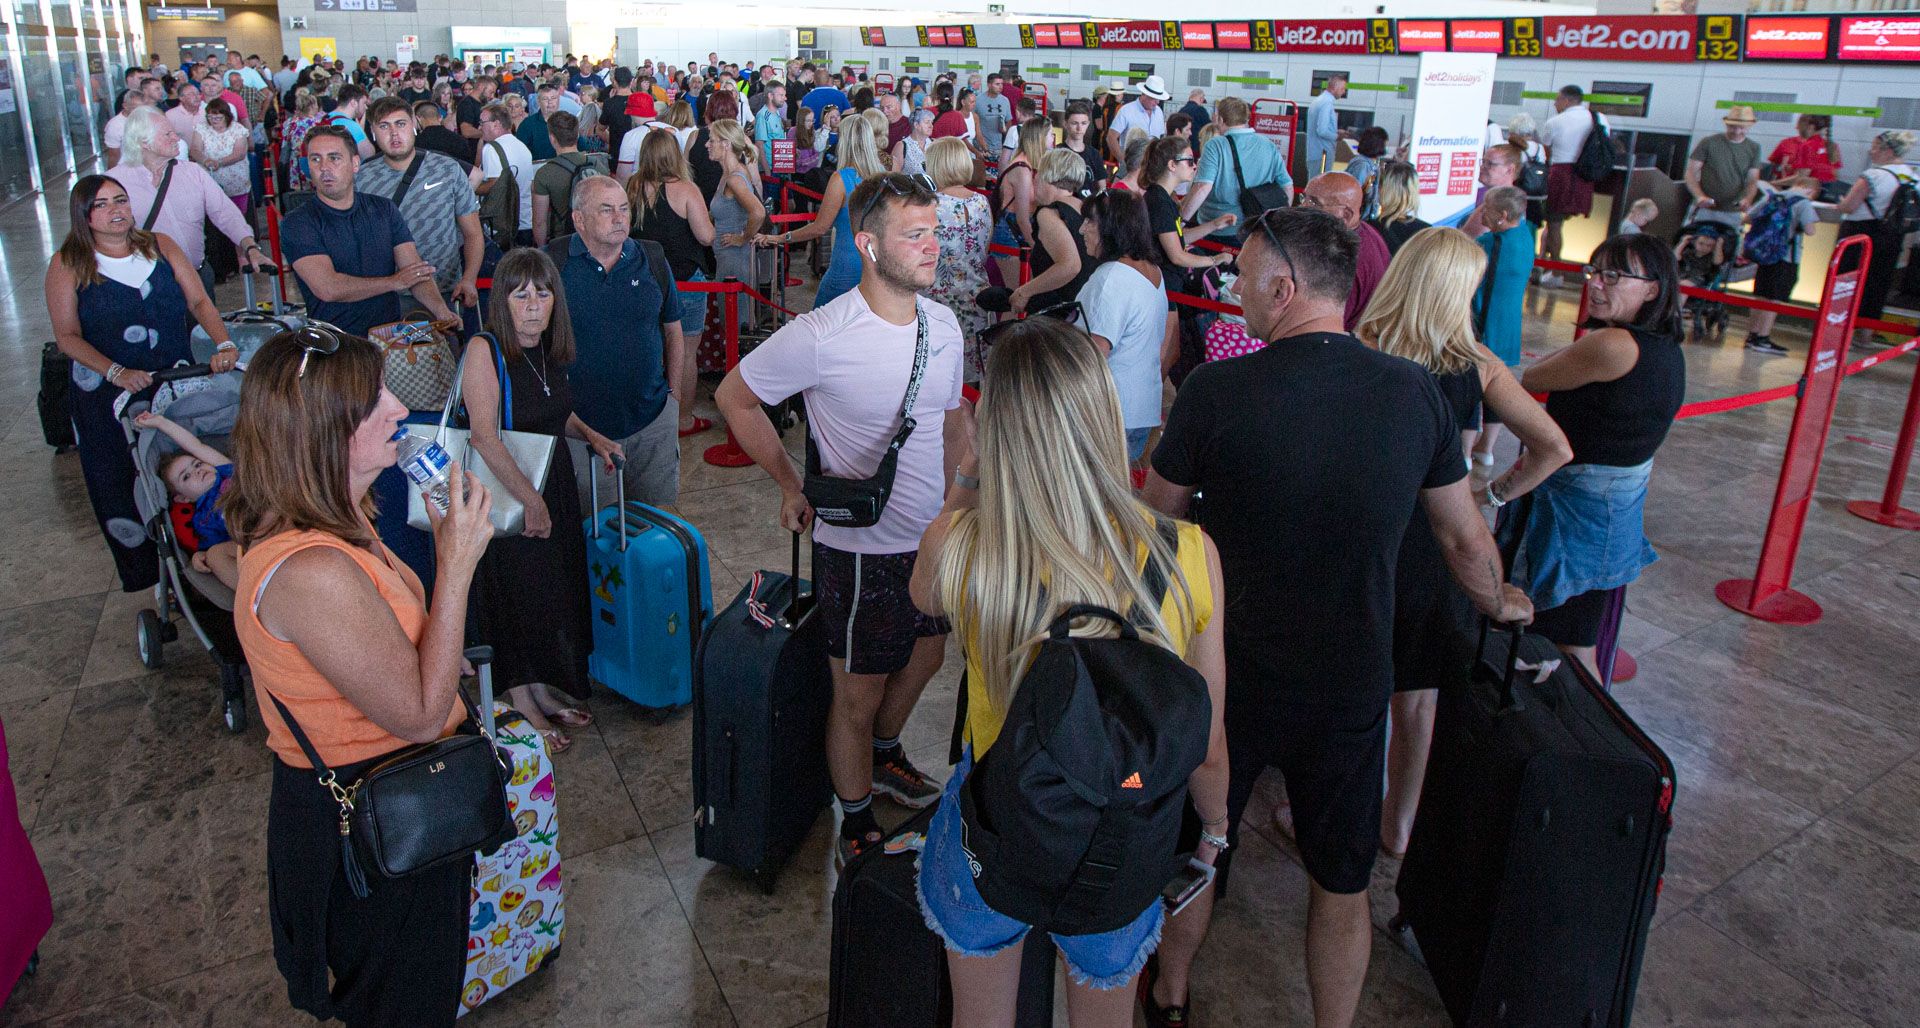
{"points": [[1705, 255], [205, 404]]}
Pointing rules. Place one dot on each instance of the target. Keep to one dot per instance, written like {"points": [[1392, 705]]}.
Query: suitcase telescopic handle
{"points": [[793, 583], [593, 495]]}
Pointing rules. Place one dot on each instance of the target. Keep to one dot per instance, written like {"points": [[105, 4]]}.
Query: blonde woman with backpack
{"points": [[1041, 519]]}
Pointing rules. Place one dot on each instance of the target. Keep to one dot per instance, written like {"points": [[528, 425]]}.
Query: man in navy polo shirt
{"points": [[625, 314], [352, 254]]}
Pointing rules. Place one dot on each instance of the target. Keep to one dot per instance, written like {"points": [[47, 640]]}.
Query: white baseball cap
{"points": [[1155, 87]]}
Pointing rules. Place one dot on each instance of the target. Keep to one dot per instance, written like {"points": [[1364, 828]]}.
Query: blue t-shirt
{"points": [[618, 372], [819, 98], [360, 240], [1504, 292], [209, 525], [1259, 159], [533, 132]]}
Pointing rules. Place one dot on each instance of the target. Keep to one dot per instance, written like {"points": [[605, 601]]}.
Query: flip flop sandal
{"points": [[699, 425], [572, 717], [556, 740]]}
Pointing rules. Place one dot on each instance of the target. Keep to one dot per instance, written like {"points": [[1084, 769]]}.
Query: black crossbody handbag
{"points": [[1254, 200], [859, 502], [421, 808]]}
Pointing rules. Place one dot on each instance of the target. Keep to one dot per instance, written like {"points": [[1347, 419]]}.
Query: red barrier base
{"points": [[1873, 511], [1786, 607], [727, 455], [1625, 668]]}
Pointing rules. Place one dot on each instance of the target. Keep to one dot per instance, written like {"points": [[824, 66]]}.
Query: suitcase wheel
{"points": [[151, 640]]}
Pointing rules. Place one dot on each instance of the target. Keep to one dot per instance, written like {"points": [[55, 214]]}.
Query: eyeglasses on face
{"points": [[1612, 276], [919, 187]]}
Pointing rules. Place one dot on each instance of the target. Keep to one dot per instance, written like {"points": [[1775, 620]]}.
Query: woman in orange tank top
{"points": [[340, 631]]}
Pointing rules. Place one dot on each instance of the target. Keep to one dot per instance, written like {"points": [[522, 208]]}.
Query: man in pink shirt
{"points": [[191, 110], [853, 360], [151, 158], [1338, 194]]}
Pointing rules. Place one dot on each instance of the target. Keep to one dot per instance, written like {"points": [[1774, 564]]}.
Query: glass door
{"points": [[76, 80], [17, 172], [37, 83]]}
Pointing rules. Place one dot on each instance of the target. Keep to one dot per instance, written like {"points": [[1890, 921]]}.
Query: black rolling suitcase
{"points": [[889, 970], [1535, 861], [55, 398], [761, 693]]}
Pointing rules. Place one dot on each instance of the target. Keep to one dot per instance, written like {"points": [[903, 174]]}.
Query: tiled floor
{"points": [[1793, 885]]}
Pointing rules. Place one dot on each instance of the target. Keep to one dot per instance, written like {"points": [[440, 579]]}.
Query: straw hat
{"points": [[1740, 114]]}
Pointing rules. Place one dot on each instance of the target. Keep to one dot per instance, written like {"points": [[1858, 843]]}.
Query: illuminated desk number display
{"points": [[1380, 37], [1263, 37], [1717, 39], [1523, 37]]}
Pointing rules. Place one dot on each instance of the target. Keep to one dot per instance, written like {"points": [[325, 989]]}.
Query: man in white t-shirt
{"points": [[852, 359], [1143, 112], [1568, 195], [496, 138]]}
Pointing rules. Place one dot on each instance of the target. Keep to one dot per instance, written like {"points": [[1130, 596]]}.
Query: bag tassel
{"points": [[356, 880]]}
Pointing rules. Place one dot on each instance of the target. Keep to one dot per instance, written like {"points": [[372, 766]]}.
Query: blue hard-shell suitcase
{"points": [[651, 596]]}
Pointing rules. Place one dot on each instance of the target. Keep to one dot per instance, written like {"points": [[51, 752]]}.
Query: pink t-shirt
{"points": [[853, 367]]}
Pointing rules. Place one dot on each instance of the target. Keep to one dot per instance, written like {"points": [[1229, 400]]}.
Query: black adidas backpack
{"points": [[1073, 817]]}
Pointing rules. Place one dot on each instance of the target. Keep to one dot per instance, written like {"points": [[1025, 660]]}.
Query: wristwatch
{"points": [[965, 481], [1218, 842], [1493, 496]]}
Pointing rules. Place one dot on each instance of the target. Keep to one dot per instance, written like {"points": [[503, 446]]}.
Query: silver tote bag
{"points": [[531, 451]]}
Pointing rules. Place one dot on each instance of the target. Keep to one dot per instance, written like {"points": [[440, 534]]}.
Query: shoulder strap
{"points": [[406, 180], [159, 197], [506, 383], [506, 166], [1238, 172], [919, 365], [1155, 576]]}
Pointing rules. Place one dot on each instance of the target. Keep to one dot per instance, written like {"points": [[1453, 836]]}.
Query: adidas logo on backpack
{"points": [[1066, 841]]}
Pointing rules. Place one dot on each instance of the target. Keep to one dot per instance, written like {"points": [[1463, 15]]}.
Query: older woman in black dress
{"points": [[531, 605]]}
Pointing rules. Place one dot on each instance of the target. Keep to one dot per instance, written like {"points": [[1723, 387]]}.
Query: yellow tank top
{"points": [[984, 720]]}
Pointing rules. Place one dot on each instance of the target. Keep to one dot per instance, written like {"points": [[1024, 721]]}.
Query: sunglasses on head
{"points": [[1265, 222], [919, 186], [316, 337]]}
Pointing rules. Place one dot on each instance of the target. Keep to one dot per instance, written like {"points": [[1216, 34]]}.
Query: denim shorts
{"points": [[1004, 233], [693, 311], [1585, 532], [954, 910], [1137, 441]]}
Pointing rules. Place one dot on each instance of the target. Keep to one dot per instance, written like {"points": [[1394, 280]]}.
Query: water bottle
{"points": [[428, 467]]}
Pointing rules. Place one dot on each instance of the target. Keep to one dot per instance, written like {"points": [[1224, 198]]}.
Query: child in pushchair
{"points": [[1705, 256], [176, 437], [199, 475]]}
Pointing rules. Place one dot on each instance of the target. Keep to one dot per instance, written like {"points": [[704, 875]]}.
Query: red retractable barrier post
{"points": [[1887, 510], [727, 454], [1769, 594]]}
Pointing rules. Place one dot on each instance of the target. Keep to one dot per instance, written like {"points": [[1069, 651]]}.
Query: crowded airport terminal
{"points": [[645, 514]]}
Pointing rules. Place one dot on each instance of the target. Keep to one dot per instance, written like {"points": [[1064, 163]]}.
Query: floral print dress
{"points": [[964, 228], [291, 138]]}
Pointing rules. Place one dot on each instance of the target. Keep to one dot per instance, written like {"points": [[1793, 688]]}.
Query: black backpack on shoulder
{"points": [[1902, 215], [1597, 154], [1073, 817]]}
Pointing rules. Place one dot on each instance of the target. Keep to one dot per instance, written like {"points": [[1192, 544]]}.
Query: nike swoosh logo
{"points": [[431, 185]]}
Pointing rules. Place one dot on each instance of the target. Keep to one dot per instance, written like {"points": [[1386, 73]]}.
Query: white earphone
{"points": [[870, 255]]}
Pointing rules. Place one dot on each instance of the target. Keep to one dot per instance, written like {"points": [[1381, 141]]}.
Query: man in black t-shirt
{"points": [[1311, 454], [466, 110]]}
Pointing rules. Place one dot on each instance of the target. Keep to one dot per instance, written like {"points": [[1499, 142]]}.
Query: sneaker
{"points": [[899, 779], [1157, 1016], [846, 849], [1765, 344]]}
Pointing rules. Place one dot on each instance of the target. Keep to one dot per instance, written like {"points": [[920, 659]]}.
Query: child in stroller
{"points": [[1705, 255], [199, 476], [194, 586]]}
